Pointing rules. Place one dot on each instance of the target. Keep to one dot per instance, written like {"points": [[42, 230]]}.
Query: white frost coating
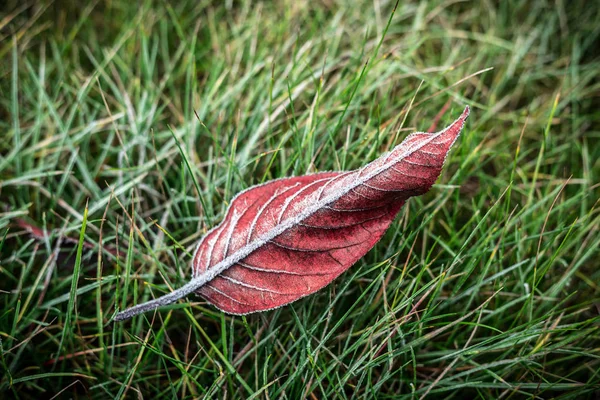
{"points": [[380, 189], [236, 218], [338, 226], [419, 164], [278, 271], [405, 174], [430, 152], [200, 280], [230, 279], [287, 201], [208, 285], [359, 194], [262, 209], [211, 244]]}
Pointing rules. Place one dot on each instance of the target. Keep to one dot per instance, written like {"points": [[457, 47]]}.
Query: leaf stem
{"points": [[168, 298]]}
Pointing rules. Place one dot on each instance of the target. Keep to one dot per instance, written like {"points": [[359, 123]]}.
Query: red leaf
{"points": [[290, 237]]}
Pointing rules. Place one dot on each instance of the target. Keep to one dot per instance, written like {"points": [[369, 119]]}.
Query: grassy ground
{"points": [[127, 128]]}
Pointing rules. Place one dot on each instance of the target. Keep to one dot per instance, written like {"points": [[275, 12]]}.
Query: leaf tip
{"points": [[465, 113], [456, 127]]}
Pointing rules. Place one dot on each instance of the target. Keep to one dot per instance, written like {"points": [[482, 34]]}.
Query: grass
{"points": [[127, 128]]}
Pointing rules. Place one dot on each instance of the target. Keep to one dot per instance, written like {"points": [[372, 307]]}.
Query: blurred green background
{"points": [[128, 126]]}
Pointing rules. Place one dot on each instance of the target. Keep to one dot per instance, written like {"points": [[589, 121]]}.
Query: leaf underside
{"points": [[349, 213], [288, 238]]}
